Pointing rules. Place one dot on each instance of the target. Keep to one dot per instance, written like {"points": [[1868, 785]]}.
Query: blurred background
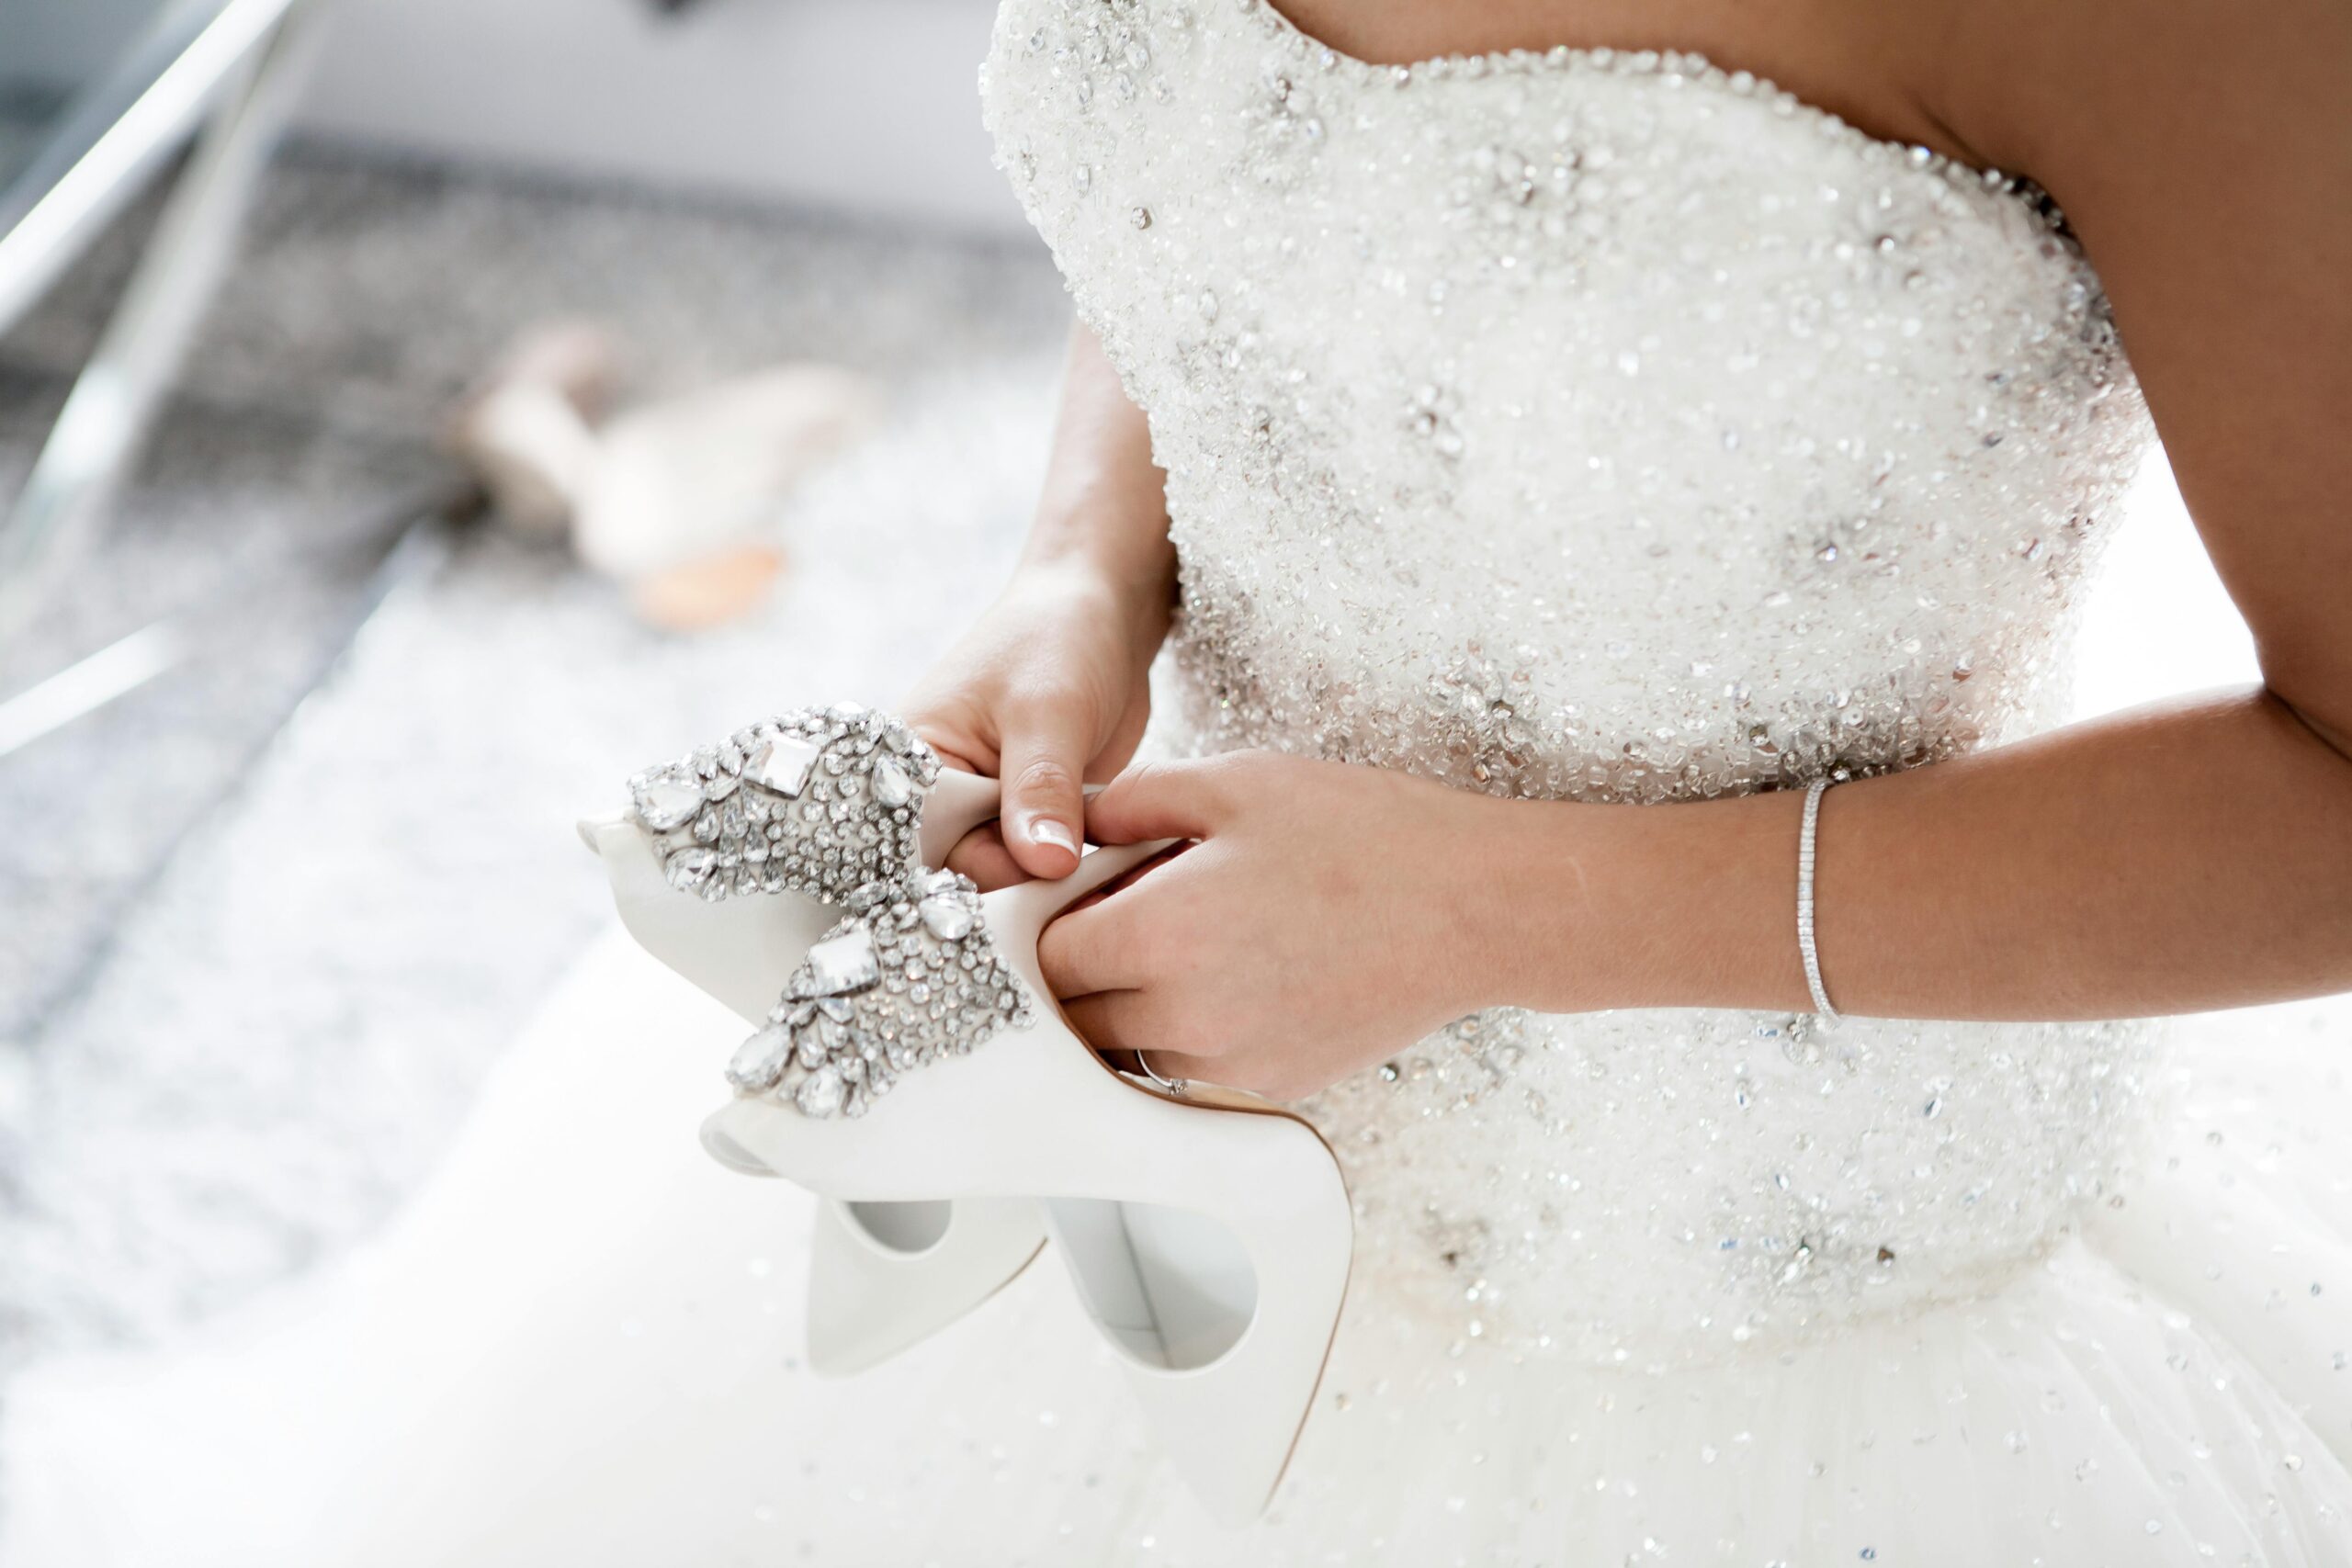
{"points": [[538, 387]]}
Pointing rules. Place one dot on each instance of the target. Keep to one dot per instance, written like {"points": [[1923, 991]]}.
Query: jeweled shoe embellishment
{"points": [[911, 975], [818, 801]]}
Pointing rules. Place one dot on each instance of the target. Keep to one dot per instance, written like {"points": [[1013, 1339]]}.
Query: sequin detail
{"points": [[1609, 427], [818, 801], [909, 977]]}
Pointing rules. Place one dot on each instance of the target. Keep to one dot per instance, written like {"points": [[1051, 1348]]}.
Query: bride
{"points": [[1545, 459]]}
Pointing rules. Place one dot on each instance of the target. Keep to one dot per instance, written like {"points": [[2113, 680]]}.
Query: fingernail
{"points": [[1045, 831]]}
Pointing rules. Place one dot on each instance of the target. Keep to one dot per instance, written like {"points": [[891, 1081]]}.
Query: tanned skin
{"points": [[2194, 854]]}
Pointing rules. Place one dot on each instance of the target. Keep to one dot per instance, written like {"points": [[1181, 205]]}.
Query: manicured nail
{"points": [[1045, 831]]}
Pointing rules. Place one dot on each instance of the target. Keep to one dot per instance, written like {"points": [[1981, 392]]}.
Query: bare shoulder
{"points": [[2067, 88], [2202, 152]]}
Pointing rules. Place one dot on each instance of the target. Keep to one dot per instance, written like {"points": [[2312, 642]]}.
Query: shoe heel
{"points": [[869, 1299], [1211, 1246], [884, 1277]]}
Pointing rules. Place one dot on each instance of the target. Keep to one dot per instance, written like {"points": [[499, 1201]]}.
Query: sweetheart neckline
{"points": [[1691, 65]]}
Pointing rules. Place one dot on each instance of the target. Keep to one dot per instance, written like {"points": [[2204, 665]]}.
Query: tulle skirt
{"points": [[579, 1347]]}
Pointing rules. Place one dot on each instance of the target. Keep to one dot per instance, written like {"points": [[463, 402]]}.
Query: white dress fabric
{"points": [[1586, 425]]}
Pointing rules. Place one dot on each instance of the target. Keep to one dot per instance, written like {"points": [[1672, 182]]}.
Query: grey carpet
{"points": [[252, 976]]}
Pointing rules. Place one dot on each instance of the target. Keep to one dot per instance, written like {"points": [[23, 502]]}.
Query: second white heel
{"points": [[1209, 1239], [884, 1277], [872, 1292]]}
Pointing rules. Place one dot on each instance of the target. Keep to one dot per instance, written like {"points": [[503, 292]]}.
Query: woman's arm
{"points": [[2198, 854], [1104, 511], [2191, 856], [1050, 684], [2194, 856]]}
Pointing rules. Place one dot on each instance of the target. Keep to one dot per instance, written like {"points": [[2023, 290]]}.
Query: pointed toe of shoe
{"points": [[593, 831], [720, 1140]]}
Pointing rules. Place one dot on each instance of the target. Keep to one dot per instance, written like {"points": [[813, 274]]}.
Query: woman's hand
{"points": [[1049, 688], [1328, 917]]}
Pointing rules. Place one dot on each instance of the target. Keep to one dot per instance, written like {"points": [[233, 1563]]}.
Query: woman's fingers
{"points": [[981, 854], [1038, 763], [1086, 951], [960, 738], [1117, 1024], [1104, 1021], [958, 741], [1044, 757], [1160, 800]]}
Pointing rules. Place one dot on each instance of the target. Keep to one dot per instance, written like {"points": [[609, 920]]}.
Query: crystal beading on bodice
{"points": [[1608, 426]]}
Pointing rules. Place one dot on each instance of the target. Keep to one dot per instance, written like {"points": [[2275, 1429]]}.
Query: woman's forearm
{"points": [[1103, 509], [2174, 859]]}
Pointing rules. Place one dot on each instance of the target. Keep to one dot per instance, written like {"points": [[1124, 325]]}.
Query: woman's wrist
{"points": [[1127, 578], [1131, 559], [1681, 905], [1508, 894]]}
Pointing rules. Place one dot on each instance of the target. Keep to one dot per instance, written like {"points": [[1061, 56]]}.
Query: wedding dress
{"points": [[1588, 424]]}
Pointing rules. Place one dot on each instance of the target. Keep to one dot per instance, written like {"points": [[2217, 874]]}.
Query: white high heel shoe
{"points": [[919, 1055], [882, 1277]]}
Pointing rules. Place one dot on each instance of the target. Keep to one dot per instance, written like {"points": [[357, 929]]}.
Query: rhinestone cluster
{"points": [[1606, 426], [818, 801], [908, 976]]}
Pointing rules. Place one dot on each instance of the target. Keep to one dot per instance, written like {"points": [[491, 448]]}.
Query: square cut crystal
{"points": [[782, 763], [843, 964]]}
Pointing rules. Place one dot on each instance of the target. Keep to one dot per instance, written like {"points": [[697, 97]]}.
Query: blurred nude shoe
{"points": [[727, 867], [916, 1054], [678, 498], [701, 475], [529, 431]]}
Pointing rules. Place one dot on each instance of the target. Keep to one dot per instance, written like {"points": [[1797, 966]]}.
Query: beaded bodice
{"points": [[1610, 426]]}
